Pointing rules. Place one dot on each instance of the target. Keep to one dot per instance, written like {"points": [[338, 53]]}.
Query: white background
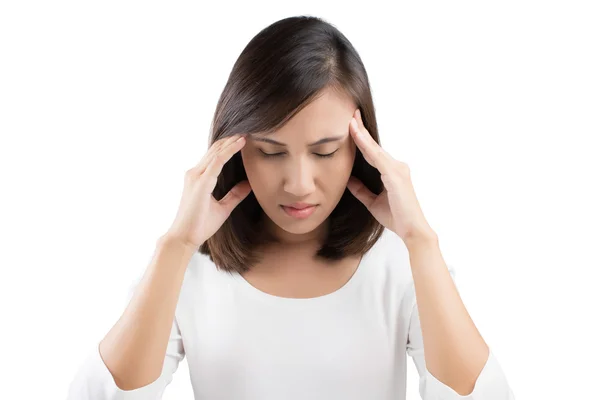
{"points": [[495, 106]]}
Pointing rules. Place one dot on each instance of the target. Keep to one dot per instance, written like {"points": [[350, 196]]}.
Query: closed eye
{"points": [[280, 154]]}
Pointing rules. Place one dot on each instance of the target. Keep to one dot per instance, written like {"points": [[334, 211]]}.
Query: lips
{"points": [[299, 206], [299, 213]]}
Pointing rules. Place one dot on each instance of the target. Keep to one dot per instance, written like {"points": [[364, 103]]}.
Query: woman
{"points": [[295, 263]]}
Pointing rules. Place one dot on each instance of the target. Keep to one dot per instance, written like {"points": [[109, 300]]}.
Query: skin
{"points": [[298, 174], [455, 352]]}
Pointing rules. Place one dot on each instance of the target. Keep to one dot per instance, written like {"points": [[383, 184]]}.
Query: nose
{"points": [[299, 180]]}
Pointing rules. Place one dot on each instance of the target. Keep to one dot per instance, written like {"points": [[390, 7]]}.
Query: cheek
{"points": [[336, 175], [347, 161], [251, 164], [261, 175]]}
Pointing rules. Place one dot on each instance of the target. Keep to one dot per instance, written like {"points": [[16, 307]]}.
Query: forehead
{"points": [[328, 114]]}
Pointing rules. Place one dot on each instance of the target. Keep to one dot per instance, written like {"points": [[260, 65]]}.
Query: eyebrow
{"points": [[318, 142]]}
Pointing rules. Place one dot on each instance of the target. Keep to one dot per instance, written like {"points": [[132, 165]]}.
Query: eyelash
{"points": [[268, 155]]}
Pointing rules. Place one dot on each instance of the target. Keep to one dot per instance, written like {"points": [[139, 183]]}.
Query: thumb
{"points": [[360, 191], [235, 195]]}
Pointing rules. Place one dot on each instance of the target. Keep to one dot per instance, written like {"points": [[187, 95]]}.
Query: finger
{"points": [[235, 195], [218, 161], [361, 192], [371, 150], [215, 149], [368, 137], [221, 144], [361, 142]]}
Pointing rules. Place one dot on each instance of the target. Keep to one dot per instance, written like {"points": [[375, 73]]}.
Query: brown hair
{"points": [[280, 71]]}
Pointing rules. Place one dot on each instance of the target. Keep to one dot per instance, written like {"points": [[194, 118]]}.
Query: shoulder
{"points": [[196, 265], [201, 271], [388, 261], [391, 251], [203, 279]]}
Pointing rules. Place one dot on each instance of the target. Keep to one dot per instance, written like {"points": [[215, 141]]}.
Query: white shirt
{"points": [[243, 343]]}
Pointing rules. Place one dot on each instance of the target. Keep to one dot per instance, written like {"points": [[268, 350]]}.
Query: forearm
{"points": [[455, 352], [134, 349]]}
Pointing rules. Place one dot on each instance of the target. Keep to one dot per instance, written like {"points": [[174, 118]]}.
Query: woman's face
{"points": [[296, 172]]}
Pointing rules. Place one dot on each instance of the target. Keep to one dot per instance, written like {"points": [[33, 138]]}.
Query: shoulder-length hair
{"points": [[279, 72]]}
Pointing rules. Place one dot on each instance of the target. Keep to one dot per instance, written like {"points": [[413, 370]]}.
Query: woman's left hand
{"points": [[397, 207]]}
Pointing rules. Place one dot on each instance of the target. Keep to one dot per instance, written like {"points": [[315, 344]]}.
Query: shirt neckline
{"points": [[255, 293]]}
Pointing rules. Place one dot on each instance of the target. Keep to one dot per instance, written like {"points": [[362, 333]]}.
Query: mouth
{"points": [[299, 213], [299, 206]]}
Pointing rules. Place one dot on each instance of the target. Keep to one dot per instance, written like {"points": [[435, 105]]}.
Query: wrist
{"points": [[422, 241], [172, 241]]}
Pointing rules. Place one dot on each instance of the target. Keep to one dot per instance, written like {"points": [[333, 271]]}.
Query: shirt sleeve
{"points": [[490, 385], [94, 381]]}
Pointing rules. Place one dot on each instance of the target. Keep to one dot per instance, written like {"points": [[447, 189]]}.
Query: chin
{"points": [[299, 228]]}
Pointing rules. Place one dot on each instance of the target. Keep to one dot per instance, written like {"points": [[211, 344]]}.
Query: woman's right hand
{"points": [[200, 215]]}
